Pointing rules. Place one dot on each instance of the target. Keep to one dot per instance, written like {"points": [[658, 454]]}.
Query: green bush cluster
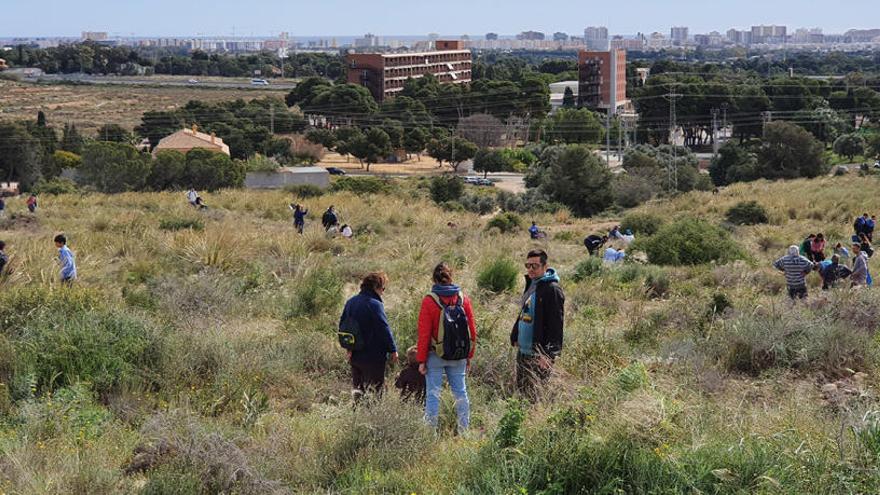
{"points": [[505, 222], [688, 241], [498, 276], [362, 185], [747, 213], [178, 223], [304, 190], [642, 224]]}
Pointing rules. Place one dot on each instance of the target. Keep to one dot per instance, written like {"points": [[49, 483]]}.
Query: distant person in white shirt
{"points": [[613, 255], [192, 196], [346, 231]]}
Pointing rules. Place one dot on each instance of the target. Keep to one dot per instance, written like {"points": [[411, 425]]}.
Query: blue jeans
{"points": [[455, 374]]}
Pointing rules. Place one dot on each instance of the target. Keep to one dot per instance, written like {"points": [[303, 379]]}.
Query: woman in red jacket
{"points": [[447, 301]]}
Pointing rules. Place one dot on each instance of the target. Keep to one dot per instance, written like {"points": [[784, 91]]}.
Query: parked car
{"points": [[193, 81], [259, 82], [485, 182], [335, 171], [877, 164]]}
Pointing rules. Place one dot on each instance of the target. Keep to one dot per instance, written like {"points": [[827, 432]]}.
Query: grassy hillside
{"points": [[196, 354]]}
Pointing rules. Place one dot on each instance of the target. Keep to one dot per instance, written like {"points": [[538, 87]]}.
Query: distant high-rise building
{"points": [[602, 79], [368, 41], [94, 36], [596, 38], [530, 36], [384, 74], [808, 36], [491, 36], [560, 36], [769, 34], [739, 37], [679, 35]]}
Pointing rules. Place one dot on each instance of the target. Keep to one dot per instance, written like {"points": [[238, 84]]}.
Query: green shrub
{"points": [[509, 432], [506, 222], [170, 480], [446, 188], [479, 204], [174, 224], [304, 190], [656, 282], [747, 213], [644, 224], [56, 185], [688, 241], [319, 292], [586, 268], [103, 348], [362, 185], [498, 276]]}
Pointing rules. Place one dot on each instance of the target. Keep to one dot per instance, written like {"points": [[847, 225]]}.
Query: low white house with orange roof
{"points": [[188, 139]]}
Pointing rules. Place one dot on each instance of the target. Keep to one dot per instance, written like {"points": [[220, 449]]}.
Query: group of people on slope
{"points": [[447, 338], [616, 251], [30, 203], [811, 256], [329, 220], [66, 259]]}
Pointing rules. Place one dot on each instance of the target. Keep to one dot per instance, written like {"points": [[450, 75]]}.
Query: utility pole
{"points": [[272, 118], [715, 132], [724, 107], [672, 96], [766, 117]]}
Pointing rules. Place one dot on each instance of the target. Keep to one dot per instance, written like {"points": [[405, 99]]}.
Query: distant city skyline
{"points": [[409, 18]]}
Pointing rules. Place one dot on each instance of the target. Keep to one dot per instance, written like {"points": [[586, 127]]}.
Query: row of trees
{"points": [[95, 58]]}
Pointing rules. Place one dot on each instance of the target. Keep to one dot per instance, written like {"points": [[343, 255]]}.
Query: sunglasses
{"points": [[533, 266]]}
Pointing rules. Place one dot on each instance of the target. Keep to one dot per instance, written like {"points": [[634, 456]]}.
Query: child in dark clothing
{"points": [[411, 382]]}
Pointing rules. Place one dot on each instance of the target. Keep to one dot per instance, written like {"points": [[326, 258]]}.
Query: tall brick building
{"points": [[602, 79], [384, 74]]}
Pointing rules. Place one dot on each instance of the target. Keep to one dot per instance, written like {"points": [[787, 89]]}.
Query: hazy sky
{"points": [[418, 17]]}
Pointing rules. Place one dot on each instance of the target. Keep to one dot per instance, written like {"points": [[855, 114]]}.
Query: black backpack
{"points": [[349, 335], [453, 333]]}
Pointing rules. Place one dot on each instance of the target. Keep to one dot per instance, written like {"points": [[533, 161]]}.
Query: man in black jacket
{"points": [[537, 332], [594, 243]]}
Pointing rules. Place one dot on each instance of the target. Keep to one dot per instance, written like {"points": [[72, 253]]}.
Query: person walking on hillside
{"points": [[365, 333], [594, 243], [192, 197], [859, 277], [329, 218], [860, 225], [817, 248], [299, 217], [536, 233], [538, 330], [4, 260], [865, 245], [796, 269], [446, 343], [32, 203], [841, 251], [869, 227], [67, 259]]}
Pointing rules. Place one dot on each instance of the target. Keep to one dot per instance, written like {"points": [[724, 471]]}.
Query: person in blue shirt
{"points": [[299, 217], [613, 255], [367, 312], [535, 232], [68, 262]]}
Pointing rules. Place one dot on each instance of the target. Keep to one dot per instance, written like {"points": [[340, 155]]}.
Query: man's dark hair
{"points": [[2, 245], [374, 281], [538, 253], [61, 239]]}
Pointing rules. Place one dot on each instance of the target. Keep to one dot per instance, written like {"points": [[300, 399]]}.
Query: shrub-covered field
{"points": [[196, 353]]}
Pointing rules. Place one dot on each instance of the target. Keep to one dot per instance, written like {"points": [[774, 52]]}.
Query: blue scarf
{"points": [[446, 290]]}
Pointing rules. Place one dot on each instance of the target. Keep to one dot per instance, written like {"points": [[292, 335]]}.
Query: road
{"points": [[227, 83]]}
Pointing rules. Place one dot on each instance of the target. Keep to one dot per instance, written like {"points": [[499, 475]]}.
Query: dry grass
{"points": [[91, 106], [258, 393]]}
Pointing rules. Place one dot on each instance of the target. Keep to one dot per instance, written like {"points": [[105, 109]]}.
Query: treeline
{"points": [[98, 59], [116, 159]]}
